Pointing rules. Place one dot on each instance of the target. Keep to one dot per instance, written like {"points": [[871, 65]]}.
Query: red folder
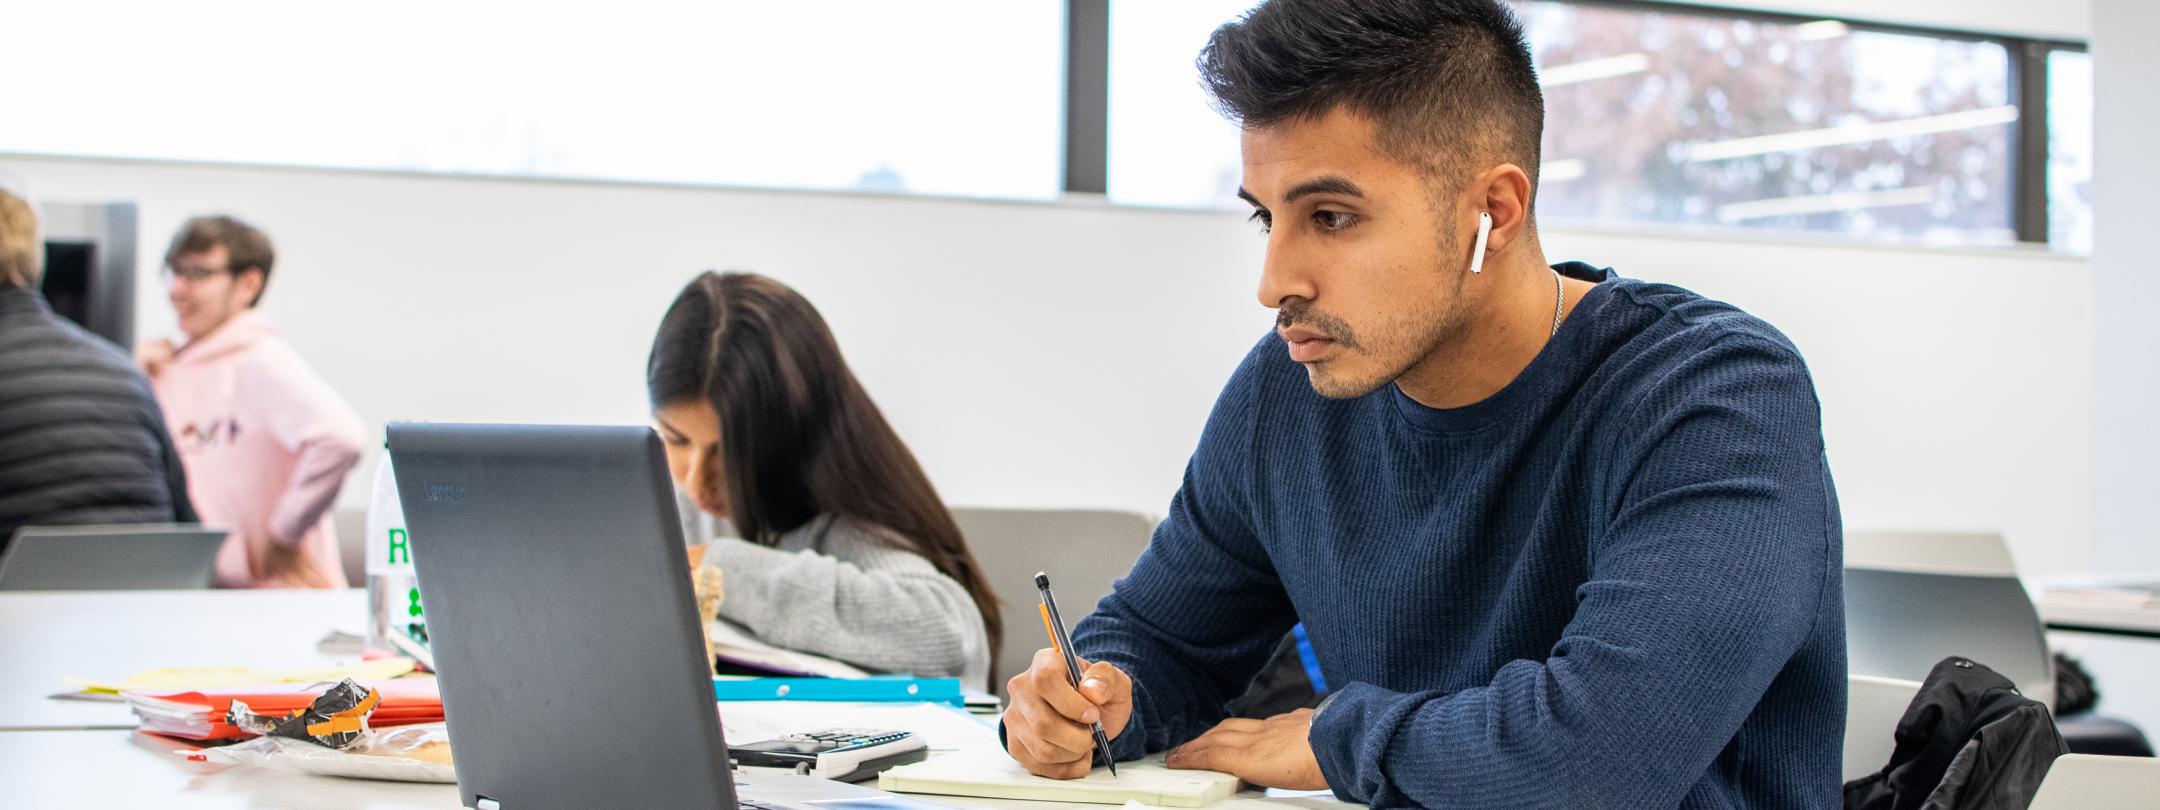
{"points": [[200, 715]]}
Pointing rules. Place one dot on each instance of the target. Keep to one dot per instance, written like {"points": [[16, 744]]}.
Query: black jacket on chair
{"points": [[1968, 741], [81, 437]]}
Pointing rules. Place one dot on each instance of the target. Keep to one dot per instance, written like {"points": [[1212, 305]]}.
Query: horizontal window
{"points": [[1694, 119], [1656, 117], [961, 97]]}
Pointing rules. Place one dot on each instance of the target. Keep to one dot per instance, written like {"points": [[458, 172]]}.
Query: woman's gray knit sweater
{"points": [[849, 591]]}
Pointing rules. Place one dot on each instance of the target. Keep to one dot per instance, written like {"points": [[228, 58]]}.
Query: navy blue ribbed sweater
{"points": [[1615, 583]]}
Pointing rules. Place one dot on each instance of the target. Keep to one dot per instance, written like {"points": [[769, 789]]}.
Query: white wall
{"points": [[2126, 285], [2126, 377], [1067, 354]]}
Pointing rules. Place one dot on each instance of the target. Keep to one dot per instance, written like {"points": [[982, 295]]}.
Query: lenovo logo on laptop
{"points": [[445, 493]]}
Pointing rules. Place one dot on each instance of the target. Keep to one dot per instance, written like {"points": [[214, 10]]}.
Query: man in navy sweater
{"points": [[1559, 538]]}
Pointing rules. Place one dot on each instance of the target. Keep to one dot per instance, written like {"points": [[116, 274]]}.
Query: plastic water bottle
{"points": [[393, 589]]}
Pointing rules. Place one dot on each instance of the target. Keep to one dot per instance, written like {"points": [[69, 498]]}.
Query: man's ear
{"points": [[250, 282], [1504, 192]]}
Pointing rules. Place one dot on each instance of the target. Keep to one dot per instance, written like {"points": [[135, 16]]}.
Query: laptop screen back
{"points": [[133, 557], [559, 609]]}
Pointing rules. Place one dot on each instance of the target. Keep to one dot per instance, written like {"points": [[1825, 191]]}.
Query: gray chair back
{"points": [[1915, 598], [2093, 782], [351, 527], [1083, 550], [1873, 707]]}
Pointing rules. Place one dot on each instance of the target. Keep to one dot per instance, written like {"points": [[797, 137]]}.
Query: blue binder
{"points": [[875, 689]]}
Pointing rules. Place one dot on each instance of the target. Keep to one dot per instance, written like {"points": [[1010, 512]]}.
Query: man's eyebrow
{"points": [[1330, 184]]}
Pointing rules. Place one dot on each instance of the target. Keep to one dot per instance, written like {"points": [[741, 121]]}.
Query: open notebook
{"points": [[990, 773]]}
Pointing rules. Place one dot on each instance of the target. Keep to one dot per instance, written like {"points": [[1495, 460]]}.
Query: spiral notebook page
{"points": [[991, 774]]}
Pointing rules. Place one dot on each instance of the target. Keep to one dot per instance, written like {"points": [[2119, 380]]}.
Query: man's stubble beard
{"points": [[1434, 326]]}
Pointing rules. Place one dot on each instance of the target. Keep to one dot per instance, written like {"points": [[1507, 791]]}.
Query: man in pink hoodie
{"points": [[265, 442]]}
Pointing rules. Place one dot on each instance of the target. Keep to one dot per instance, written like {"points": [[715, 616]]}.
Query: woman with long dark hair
{"points": [[842, 548]]}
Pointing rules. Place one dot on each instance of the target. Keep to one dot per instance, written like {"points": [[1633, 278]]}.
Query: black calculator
{"points": [[842, 754]]}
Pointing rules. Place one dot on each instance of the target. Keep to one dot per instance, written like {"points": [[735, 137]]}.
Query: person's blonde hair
{"points": [[22, 250]]}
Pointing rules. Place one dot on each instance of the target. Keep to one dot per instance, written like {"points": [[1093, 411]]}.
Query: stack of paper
{"points": [[200, 714], [992, 774], [2125, 595], [736, 648]]}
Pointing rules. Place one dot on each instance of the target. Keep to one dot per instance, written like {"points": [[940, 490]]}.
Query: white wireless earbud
{"points": [[1477, 254]]}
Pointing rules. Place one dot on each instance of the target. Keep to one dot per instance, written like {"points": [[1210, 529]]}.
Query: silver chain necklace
{"points": [[1559, 298]]}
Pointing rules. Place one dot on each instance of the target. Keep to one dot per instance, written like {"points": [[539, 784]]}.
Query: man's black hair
{"points": [[1449, 83]]}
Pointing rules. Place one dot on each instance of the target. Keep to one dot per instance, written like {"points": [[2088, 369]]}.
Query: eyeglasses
{"points": [[191, 275]]}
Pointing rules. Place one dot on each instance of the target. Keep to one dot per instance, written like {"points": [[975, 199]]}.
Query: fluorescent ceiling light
{"points": [[1824, 203], [1851, 133], [1605, 68], [1821, 30], [1560, 171]]}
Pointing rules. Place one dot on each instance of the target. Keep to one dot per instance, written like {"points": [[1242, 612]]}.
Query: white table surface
{"points": [[66, 754], [72, 769], [108, 635], [122, 769], [2126, 621], [2060, 611]]}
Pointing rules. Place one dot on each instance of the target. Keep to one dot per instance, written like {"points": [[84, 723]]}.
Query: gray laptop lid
{"points": [[559, 609], [132, 557]]}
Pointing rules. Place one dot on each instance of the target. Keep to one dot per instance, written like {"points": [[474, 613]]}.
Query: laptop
{"points": [[132, 557], [565, 636]]}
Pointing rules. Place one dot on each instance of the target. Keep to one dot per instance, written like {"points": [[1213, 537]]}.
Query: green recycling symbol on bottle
{"points": [[417, 628]]}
